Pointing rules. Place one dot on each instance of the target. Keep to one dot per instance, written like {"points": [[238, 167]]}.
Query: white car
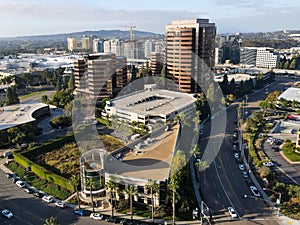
{"points": [[236, 155], [242, 167], [232, 212], [268, 164], [47, 198], [270, 139], [96, 216], [60, 204], [255, 191], [8, 214], [20, 184]]}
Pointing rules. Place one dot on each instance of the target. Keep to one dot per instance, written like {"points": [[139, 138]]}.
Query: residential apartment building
{"points": [[87, 42], [187, 41], [72, 43], [98, 45], [259, 56], [115, 46]]}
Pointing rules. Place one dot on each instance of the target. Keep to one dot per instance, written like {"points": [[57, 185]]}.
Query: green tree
{"points": [[11, 96], [89, 182], [211, 92], [153, 187], [44, 99], [178, 162], [173, 186], [111, 187], [75, 182], [71, 83], [51, 221], [195, 151], [130, 191]]}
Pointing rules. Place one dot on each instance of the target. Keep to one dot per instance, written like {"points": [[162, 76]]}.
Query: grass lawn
{"points": [[40, 184], [294, 157], [32, 94]]}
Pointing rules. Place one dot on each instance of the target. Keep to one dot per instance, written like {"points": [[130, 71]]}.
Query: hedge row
{"points": [[42, 172], [49, 146]]}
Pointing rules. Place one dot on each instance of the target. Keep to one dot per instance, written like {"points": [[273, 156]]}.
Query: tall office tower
{"points": [[80, 73], [98, 45], [130, 50], [72, 43], [121, 72], [188, 41], [87, 42], [156, 63], [148, 48], [98, 80]]}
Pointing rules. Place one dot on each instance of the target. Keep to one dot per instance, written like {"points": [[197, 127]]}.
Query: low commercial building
{"points": [[22, 113], [150, 105], [132, 166], [261, 57], [291, 94]]}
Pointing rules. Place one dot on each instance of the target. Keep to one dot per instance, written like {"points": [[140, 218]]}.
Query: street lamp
{"points": [[278, 200]]}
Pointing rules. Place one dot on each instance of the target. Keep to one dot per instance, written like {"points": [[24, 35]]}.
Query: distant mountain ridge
{"points": [[78, 35]]}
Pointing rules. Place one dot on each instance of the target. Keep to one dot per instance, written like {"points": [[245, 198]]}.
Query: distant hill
{"points": [[78, 35]]}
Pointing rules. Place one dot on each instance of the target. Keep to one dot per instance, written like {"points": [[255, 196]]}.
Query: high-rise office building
{"points": [[187, 41], [95, 75], [72, 43], [156, 63]]}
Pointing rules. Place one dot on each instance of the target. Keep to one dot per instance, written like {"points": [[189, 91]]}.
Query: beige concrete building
{"points": [[87, 42], [72, 43]]}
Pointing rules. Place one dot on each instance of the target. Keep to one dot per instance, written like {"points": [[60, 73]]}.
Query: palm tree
{"points": [[111, 187], [91, 183], [152, 186], [173, 185], [196, 151], [51, 221], [130, 191], [75, 183]]}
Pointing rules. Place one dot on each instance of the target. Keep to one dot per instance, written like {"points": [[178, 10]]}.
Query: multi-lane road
{"points": [[222, 184], [29, 210]]}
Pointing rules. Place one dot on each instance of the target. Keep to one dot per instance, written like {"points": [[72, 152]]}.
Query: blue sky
{"points": [[30, 17]]}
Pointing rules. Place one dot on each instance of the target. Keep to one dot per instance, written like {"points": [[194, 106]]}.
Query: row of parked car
{"points": [[241, 166], [110, 219], [47, 198]]}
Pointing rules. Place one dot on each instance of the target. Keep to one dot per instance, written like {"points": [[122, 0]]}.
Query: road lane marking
{"points": [[224, 189]]}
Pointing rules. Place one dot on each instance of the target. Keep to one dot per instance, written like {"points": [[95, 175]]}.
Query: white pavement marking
{"points": [[224, 188]]}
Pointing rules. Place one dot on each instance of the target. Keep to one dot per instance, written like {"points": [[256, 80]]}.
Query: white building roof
{"points": [[14, 115], [291, 94], [154, 102]]}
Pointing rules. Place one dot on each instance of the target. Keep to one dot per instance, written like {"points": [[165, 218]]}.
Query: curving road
{"points": [[222, 184]]}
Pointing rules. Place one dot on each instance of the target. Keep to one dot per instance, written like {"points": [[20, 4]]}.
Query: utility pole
{"points": [[278, 200]]}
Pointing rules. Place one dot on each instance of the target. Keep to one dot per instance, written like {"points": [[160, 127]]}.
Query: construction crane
{"points": [[130, 30]]}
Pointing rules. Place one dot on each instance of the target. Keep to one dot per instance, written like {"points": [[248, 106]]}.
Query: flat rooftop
{"points": [[291, 94], [151, 161], [153, 102], [14, 115]]}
